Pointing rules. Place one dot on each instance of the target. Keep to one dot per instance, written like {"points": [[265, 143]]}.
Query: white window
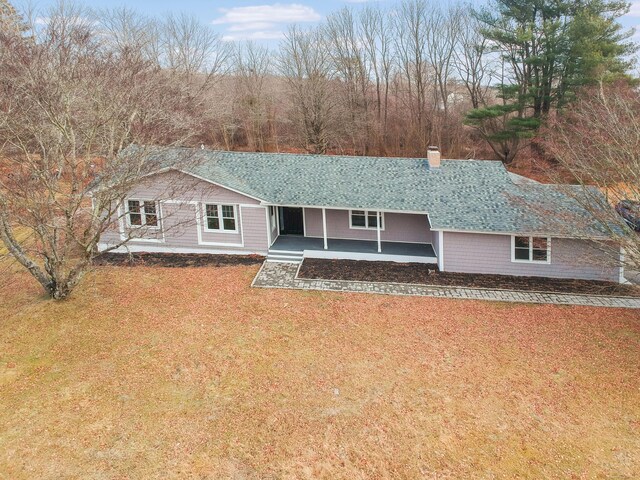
{"points": [[142, 213], [367, 219], [220, 218], [530, 249]]}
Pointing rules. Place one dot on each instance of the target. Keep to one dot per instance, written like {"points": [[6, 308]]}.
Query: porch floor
{"points": [[295, 243]]}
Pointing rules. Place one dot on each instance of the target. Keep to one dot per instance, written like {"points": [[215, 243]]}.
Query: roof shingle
{"points": [[462, 195]]}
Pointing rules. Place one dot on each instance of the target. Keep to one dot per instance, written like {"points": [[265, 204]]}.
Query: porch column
{"points": [[379, 214], [324, 228]]}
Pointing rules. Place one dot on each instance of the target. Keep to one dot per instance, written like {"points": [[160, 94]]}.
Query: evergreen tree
{"points": [[550, 49]]}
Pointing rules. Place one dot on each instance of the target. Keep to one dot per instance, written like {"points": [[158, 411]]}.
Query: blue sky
{"points": [[261, 20]]}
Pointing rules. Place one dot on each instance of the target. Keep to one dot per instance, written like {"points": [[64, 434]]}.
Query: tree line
{"points": [[380, 80]]}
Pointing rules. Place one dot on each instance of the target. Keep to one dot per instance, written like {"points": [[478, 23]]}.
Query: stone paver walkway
{"points": [[284, 275]]}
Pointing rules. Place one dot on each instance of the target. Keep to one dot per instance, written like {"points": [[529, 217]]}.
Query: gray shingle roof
{"points": [[464, 195]]}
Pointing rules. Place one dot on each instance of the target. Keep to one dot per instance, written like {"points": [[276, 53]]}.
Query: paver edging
{"points": [[538, 292], [285, 278]]}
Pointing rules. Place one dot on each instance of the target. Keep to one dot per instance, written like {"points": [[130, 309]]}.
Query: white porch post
{"points": [[440, 253], [379, 214], [324, 228], [269, 226]]}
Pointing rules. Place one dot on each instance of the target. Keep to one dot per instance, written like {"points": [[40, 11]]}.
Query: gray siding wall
{"points": [[254, 222], [491, 254], [177, 195], [398, 227]]}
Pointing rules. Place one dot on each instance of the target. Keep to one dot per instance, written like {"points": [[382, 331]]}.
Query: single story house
{"points": [[469, 216]]}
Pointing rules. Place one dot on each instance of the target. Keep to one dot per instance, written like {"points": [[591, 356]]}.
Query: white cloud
{"points": [[260, 35], [255, 26], [72, 20], [276, 13], [634, 11], [263, 22]]}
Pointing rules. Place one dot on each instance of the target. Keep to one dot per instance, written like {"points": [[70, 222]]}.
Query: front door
{"points": [[291, 221]]}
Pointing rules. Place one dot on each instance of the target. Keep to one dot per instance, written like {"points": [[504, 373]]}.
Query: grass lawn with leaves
{"points": [[151, 372]]}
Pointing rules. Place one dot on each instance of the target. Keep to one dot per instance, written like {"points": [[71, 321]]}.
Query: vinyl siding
{"points": [[176, 185], [491, 254], [177, 195], [398, 227], [254, 222]]}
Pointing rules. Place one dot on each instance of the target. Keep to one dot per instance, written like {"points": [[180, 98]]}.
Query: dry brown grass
{"points": [[190, 373]]}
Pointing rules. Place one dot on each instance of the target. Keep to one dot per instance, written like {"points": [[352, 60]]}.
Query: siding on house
{"points": [[181, 200], [491, 254], [398, 227], [254, 222]]}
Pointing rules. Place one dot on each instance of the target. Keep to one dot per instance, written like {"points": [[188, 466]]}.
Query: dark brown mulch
{"points": [[175, 260], [313, 268], [364, 271]]}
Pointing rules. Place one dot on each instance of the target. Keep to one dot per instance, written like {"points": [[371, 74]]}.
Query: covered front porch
{"points": [[355, 249], [298, 232]]}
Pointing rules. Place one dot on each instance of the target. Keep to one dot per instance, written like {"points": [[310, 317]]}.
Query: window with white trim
{"points": [[531, 249], [366, 219], [220, 218], [142, 213]]}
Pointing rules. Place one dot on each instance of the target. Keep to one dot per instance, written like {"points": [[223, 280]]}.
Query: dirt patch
{"points": [[175, 260], [429, 275]]}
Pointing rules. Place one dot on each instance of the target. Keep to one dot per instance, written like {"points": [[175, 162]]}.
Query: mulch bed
{"points": [[175, 260], [353, 270]]}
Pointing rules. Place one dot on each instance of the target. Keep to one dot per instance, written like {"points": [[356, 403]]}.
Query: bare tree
{"points": [[10, 21], [348, 55], [472, 60], [252, 67], [189, 47], [378, 44], [411, 21], [70, 106], [126, 30], [597, 143], [442, 31], [306, 66]]}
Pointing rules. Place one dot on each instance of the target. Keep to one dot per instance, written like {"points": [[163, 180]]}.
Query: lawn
{"points": [[151, 372]]}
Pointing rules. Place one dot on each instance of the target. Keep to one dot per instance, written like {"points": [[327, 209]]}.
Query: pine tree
{"points": [[551, 48]]}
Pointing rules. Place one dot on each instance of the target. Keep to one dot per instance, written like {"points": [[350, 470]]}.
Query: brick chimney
{"points": [[433, 155]]}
